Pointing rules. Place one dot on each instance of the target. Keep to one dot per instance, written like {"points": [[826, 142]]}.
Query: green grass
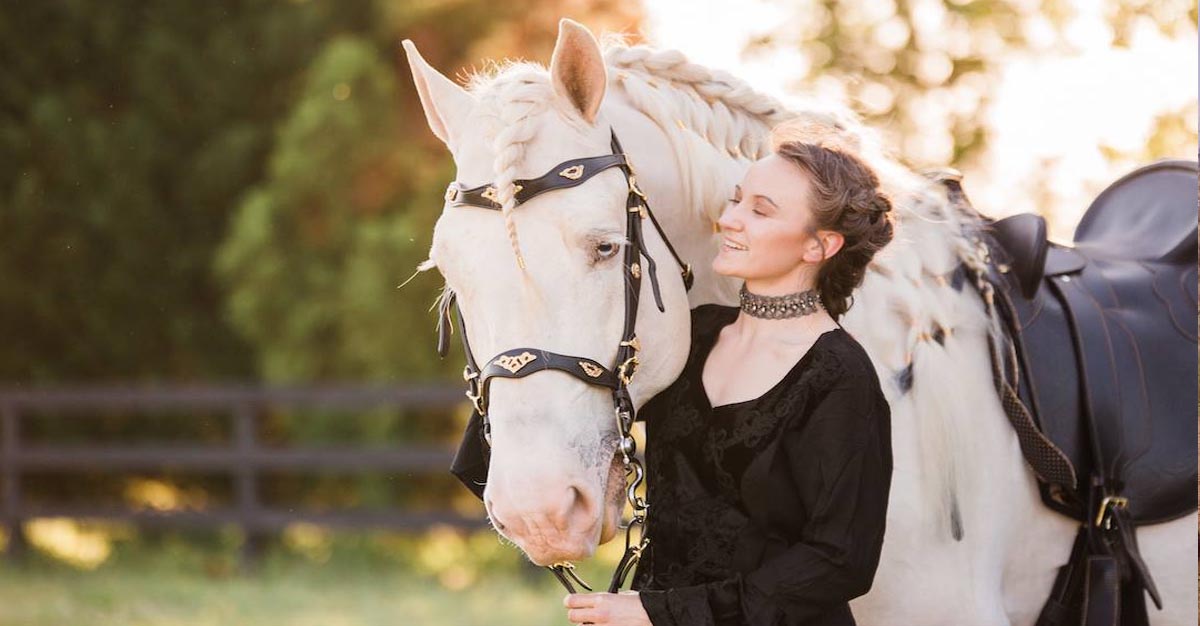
{"points": [[354, 582]]}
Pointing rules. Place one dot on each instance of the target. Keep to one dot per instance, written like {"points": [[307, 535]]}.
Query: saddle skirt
{"points": [[1105, 334]]}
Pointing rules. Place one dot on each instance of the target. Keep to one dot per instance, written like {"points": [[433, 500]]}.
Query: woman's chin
{"points": [[724, 268]]}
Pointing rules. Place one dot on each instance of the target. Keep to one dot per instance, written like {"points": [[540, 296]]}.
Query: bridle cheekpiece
{"points": [[521, 362]]}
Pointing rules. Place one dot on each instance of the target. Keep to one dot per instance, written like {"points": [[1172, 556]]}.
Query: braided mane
{"points": [[713, 119]]}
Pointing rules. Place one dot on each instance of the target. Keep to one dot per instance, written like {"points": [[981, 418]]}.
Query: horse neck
{"points": [[685, 194]]}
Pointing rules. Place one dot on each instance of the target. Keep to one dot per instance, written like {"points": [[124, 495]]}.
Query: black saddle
{"points": [[1098, 375], [1106, 335]]}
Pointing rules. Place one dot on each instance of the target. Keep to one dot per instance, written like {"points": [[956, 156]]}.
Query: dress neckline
{"points": [[711, 342]]}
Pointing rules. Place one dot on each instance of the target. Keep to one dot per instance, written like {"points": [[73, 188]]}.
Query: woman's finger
{"points": [[579, 600], [585, 616]]}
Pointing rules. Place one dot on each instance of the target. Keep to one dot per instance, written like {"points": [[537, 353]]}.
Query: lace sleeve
{"points": [[840, 459]]}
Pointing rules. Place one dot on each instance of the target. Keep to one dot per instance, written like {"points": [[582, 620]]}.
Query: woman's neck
{"points": [[792, 282]]}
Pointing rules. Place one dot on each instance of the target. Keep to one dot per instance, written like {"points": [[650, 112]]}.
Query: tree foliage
{"points": [[922, 71], [128, 132], [230, 189], [354, 185]]}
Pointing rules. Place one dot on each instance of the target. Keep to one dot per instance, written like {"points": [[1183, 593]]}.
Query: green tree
{"points": [[128, 132], [346, 210]]}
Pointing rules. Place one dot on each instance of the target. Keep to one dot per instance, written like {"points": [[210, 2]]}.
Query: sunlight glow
{"points": [[72, 542], [1062, 124]]}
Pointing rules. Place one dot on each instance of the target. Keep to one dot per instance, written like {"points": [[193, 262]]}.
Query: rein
{"points": [[521, 362]]}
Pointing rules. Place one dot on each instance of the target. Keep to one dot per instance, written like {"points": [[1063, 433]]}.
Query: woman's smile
{"points": [[729, 244]]}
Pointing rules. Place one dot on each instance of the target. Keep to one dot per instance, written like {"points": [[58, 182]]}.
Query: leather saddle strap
{"points": [[1097, 375], [1098, 379], [1047, 460], [1128, 538], [1102, 586], [1063, 606]]}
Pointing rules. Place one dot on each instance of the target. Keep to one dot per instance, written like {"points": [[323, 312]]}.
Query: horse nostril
{"points": [[487, 506], [575, 511]]}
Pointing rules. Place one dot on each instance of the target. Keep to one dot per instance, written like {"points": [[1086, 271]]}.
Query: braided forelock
{"points": [[514, 95]]}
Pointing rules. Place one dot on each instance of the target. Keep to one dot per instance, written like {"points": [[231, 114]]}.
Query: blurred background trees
{"points": [[924, 71], [233, 190]]}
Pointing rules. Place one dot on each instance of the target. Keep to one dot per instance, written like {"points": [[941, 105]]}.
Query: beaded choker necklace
{"points": [[780, 307]]}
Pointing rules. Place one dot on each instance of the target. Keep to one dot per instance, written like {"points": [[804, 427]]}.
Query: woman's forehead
{"points": [[783, 182]]}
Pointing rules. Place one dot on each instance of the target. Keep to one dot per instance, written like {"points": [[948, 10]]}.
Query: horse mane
{"points": [[907, 314]]}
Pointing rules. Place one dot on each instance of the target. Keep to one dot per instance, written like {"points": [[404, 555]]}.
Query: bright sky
{"points": [[1048, 110]]}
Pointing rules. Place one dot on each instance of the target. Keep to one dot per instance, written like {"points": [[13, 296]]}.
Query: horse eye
{"points": [[606, 250]]}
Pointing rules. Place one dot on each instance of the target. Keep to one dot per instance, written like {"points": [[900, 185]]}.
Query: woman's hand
{"points": [[606, 609]]}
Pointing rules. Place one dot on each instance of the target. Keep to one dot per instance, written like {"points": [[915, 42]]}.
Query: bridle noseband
{"points": [[521, 362]]}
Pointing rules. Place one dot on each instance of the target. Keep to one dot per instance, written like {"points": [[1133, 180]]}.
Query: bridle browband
{"points": [[521, 362]]}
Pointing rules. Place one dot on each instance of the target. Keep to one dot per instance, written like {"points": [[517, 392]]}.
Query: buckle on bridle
{"points": [[626, 370], [476, 401], [1108, 503], [565, 572], [633, 187]]}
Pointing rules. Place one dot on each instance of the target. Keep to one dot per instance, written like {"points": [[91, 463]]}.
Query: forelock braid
{"points": [[516, 102]]}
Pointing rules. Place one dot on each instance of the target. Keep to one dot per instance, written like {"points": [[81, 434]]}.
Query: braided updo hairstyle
{"points": [[846, 198]]}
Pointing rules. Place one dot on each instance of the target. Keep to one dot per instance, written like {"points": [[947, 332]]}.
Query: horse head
{"points": [[548, 271]]}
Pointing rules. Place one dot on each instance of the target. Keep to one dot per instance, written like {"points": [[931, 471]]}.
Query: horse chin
{"points": [[614, 499]]}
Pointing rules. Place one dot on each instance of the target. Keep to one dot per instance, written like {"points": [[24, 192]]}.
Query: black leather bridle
{"points": [[521, 362]]}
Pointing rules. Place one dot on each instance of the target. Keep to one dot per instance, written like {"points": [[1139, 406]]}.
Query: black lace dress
{"points": [[768, 511]]}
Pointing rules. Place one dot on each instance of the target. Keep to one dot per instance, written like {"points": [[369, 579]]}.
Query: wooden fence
{"points": [[242, 458]]}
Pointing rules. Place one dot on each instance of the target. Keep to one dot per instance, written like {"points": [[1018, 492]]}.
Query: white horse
{"points": [[555, 487]]}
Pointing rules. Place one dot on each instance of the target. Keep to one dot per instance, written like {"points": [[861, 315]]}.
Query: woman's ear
{"points": [[822, 245]]}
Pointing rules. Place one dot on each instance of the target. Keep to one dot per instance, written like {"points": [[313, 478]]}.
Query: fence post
{"points": [[10, 490], [246, 482]]}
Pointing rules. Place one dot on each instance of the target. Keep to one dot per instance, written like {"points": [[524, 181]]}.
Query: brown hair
{"points": [[846, 198]]}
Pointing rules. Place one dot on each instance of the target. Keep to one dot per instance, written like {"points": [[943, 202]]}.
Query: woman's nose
{"points": [[728, 219]]}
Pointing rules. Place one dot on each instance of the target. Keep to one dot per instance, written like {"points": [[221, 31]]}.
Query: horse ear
{"points": [[577, 70], [446, 104]]}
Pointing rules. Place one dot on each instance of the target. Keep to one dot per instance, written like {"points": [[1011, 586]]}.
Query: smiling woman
{"points": [[769, 458]]}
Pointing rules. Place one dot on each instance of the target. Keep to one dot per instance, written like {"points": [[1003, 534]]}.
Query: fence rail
{"points": [[243, 458]]}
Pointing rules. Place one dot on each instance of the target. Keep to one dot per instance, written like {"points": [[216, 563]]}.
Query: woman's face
{"points": [[765, 236]]}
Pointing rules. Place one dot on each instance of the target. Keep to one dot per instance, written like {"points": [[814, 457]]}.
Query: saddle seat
{"points": [[1105, 335]]}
